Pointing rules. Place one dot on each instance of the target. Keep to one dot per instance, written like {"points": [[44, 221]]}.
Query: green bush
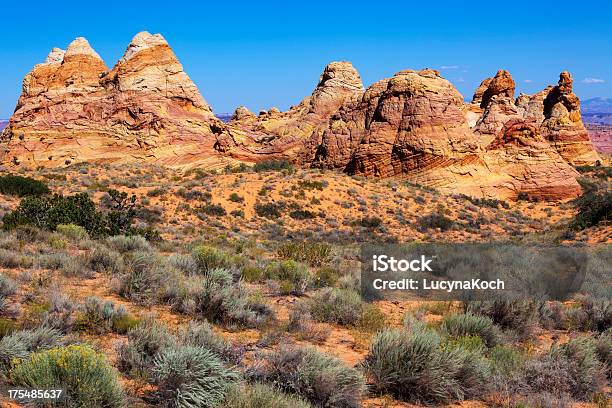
{"points": [[371, 222], [189, 376], [434, 221], [332, 305], [72, 231], [86, 376], [145, 341], [209, 258], [323, 380], [234, 197], [313, 253], [295, 274], [594, 206], [261, 396], [273, 165], [590, 314], [103, 259], [22, 186], [272, 211], [471, 325], [47, 212], [302, 215], [216, 210], [414, 366]]}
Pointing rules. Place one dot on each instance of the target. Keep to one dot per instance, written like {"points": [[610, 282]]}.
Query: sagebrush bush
{"points": [[413, 366], [571, 368], [271, 211], [19, 344], [189, 376], [123, 244], [313, 253], [103, 259], [294, 273], [22, 186], [184, 263], [590, 314], [434, 221], [146, 278], [332, 305], [145, 341], [61, 314], [7, 286], [518, 315], [261, 396], [88, 379], [594, 206], [201, 334], [103, 316], [217, 298], [323, 380], [471, 325]]}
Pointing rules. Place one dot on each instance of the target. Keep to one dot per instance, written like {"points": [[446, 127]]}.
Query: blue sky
{"points": [[269, 53]]}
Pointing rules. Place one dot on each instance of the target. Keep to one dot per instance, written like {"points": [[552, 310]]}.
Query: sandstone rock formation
{"points": [[72, 109], [414, 125]]}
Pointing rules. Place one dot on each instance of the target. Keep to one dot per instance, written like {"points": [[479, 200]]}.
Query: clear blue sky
{"points": [[267, 53]]}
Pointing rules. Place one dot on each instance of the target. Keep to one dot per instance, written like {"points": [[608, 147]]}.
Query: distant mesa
{"points": [[413, 126]]}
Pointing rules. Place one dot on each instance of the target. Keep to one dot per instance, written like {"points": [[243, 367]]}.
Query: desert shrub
{"points": [[145, 341], [313, 253], [61, 314], [302, 215], [7, 286], [590, 314], [413, 366], [234, 197], [485, 202], [261, 396], [603, 348], [189, 376], [88, 379], [251, 273], [209, 258], [216, 210], [272, 211], [312, 185], [294, 273], [22, 186], [323, 380], [217, 298], [145, 279], [571, 368], [123, 244], [518, 315], [47, 212], [273, 165], [506, 361], [372, 319], [13, 260], [237, 213], [184, 263], [471, 325], [434, 221], [594, 206], [19, 344], [72, 231], [303, 326], [332, 305], [203, 335], [370, 222], [103, 259], [100, 317], [325, 276]]}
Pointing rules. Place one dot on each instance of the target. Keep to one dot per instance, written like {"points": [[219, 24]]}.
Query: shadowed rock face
{"points": [[413, 126], [72, 109]]}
